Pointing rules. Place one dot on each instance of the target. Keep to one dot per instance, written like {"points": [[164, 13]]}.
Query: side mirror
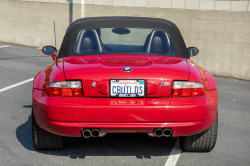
{"points": [[50, 50], [192, 51]]}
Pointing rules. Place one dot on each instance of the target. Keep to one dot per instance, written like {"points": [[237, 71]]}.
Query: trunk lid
{"points": [[158, 72]]}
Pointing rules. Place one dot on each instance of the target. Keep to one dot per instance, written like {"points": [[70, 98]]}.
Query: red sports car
{"points": [[124, 75]]}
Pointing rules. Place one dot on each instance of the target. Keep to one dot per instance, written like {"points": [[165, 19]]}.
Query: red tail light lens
{"points": [[65, 89], [198, 91], [187, 89], [54, 91], [77, 92]]}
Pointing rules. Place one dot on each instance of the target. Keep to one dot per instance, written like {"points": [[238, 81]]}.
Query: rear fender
{"points": [[198, 74], [49, 74]]}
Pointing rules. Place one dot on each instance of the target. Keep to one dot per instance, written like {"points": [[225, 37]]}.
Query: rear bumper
{"points": [[67, 116]]}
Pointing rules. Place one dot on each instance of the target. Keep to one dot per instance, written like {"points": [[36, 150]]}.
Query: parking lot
{"points": [[20, 63]]}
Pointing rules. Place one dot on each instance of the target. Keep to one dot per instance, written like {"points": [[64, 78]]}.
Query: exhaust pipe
{"points": [[167, 132], [158, 132], [95, 133], [86, 133], [151, 134]]}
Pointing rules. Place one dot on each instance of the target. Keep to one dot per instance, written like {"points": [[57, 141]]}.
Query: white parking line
{"points": [[4, 46], [175, 154], [15, 85]]}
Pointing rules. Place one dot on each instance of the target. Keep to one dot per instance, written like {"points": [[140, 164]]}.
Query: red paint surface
{"points": [[195, 114], [51, 73], [198, 74], [68, 115], [101, 69]]}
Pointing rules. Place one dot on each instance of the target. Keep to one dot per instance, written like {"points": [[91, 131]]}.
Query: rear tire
{"points": [[43, 140], [202, 142]]}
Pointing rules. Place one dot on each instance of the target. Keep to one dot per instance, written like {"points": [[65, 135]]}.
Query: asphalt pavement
{"points": [[19, 63]]}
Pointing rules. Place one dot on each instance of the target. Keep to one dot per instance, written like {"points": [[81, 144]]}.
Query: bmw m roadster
{"points": [[124, 75]]}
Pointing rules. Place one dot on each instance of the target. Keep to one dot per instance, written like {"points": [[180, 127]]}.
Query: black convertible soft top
{"points": [[67, 47]]}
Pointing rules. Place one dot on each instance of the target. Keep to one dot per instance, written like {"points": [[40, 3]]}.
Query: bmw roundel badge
{"points": [[127, 69], [93, 84]]}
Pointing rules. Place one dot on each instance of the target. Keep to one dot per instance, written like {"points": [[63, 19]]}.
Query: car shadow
{"points": [[138, 145]]}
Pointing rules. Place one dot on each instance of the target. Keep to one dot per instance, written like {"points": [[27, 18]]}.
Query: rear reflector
{"points": [[187, 89]]}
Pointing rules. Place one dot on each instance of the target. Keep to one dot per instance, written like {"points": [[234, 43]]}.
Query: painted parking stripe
{"points": [[15, 85], [4, 46], [175, 154]]}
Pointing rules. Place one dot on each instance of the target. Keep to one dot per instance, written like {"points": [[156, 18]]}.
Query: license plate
{"points": [[127, 88]]}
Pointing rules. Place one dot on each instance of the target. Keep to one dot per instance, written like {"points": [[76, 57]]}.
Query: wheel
{"points": [[43, 140], [202, 142]]}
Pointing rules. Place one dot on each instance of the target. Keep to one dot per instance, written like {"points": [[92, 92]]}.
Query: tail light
{"points": [[187, 89], [65, 89]]}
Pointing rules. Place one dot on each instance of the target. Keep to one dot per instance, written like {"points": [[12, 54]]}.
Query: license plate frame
{"points": [[129, 96]]}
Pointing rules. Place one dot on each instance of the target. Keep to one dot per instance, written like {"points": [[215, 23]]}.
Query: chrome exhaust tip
{"points": [[86, 133], [151, 134], [95, 133], [158, 132], [167, 132], [102, 134]]}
